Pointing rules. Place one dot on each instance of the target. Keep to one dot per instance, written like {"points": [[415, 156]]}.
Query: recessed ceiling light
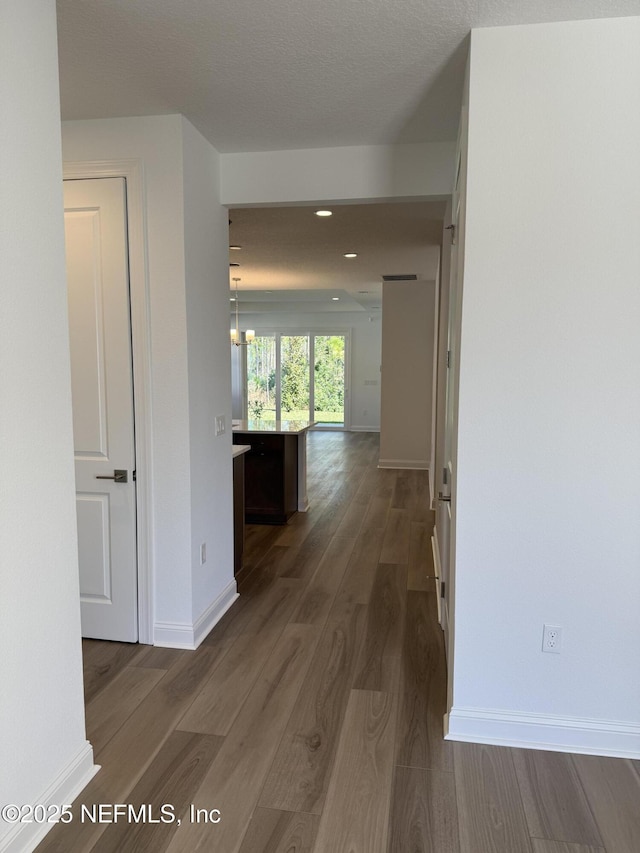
{"points": [[234, 265], [235, 248], [335, 298], [351, 254], [232, 299], [324, 213]]}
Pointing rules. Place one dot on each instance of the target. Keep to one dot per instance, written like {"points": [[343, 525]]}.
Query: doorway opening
{"points": [[298, 376]]}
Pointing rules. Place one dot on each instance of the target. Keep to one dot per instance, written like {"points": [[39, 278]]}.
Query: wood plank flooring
{"points": [[311, 716]]}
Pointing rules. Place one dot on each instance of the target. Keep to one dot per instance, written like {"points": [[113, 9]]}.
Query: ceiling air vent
{"points": [[408, 277]]}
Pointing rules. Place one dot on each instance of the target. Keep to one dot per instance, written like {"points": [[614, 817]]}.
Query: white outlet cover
{"points": [[552, 639]]}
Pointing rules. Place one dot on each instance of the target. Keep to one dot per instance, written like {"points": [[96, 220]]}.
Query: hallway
{"points": [[311, 716]]}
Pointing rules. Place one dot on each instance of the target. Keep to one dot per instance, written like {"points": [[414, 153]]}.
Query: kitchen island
{"points": [[238, 504], [275, 468]]}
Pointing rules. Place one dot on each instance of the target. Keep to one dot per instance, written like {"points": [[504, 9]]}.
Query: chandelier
{"points": [[236, 335]]}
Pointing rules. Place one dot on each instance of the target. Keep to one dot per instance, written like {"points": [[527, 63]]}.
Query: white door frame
{"points": [[131, 171], [346, 385]]}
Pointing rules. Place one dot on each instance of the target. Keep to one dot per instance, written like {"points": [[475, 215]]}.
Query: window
{"points": [[298, 376], [261, 378], [328, 379], [295, 381]]}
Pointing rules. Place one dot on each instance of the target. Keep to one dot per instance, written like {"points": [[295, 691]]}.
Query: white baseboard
{"points": [[411, 464], [364, 429], [178, 635], [24, 837], [540, 731], [173, 635], [214, 613]]}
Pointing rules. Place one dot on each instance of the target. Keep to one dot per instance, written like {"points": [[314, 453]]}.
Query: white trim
{"points": [[179, 635], [325, 427], [411, 464], [348, 378], [24, 837], [443, 612], [132, 172], [434, 376], [437, 565], [436, 569], [173, 635], [363, 429], [214, 613], [439, 602], [541, 731], [443, 607], [303, 499]]}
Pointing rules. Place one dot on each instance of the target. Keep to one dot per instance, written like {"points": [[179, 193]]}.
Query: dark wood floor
{"points": [[311, 717]]}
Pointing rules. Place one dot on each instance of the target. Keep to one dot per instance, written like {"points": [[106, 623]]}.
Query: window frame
{"points": [[311, 331]]}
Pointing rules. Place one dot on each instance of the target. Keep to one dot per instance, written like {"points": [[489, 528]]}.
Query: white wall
{"points": [[186, 232], [157, 142], [548, 488], [408, 329], [209, 360], [356, 173], [43, 749], [365, 353]]}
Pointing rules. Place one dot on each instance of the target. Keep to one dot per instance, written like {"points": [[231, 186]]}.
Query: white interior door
{"points": [[447, 474], [102, 389], [443, 507]]}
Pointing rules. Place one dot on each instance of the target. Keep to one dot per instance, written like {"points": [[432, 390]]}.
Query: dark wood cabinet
{"points": [[238, 512], [270, 476]]}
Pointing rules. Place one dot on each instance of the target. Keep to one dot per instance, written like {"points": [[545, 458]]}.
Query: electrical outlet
{"points": [[552, 639], [220, 425], [203, 553]]}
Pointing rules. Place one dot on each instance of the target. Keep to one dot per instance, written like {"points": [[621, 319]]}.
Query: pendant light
{"points": [[249, 335]]}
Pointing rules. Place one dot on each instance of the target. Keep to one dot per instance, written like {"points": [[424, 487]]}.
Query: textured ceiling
{"points": [[258, 75], [300, 256]]}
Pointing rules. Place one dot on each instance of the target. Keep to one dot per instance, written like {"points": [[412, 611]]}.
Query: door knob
{"points": [[119, 475]]}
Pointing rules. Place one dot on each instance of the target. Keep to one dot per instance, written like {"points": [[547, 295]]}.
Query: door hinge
{"points": [[442, 585], [451, 228], [133, 475], [445, 476], [448, 358]]}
